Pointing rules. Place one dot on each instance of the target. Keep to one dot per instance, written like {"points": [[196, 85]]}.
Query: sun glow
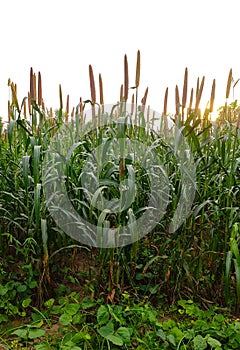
{"points": [[214, 114]]}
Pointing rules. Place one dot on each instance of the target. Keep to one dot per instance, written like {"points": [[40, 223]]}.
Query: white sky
{"points": [[61, 38]]}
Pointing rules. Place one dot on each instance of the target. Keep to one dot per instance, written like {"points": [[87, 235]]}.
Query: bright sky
{"points": [[61, 38]]}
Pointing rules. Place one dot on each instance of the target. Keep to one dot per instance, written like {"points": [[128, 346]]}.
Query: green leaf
{"points": [[87, 303], [22, 288], [199, 343], [168, 324], [234, 248], [26, 302], [79, 318], [3, 290], [102, 315], [237, 274], [65, 319], [33, 284], [78, 337], [22, 332], [42, 346], [178, 334], [171, 339], [49, 303], [25, 165], [71, 309], [37, 202], [160, 333], [124, 333], [219, 318], [3, 318], [113, 313], [107, 330], [39, 324], [36, 162], [154, 290], [36, 333], [213, 342], [227, 274], [97, 194], [115, 339]]}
